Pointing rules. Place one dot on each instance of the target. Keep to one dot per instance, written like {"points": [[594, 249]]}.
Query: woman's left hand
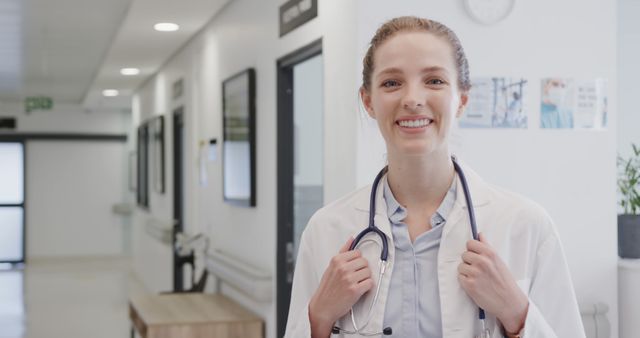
{"points": [[488, 281]]}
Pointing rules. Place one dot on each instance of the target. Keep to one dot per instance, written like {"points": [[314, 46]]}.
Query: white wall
{"points": [[628, 75], [571, 173], [71, 187]]}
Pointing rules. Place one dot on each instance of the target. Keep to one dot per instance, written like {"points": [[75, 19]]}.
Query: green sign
{"points": [[38, 103]]}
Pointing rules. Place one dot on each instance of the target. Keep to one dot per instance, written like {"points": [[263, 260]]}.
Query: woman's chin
{"points": [[416, 149]]}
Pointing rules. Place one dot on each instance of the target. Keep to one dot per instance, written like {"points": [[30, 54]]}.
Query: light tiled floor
{"points": [[62, 298]]}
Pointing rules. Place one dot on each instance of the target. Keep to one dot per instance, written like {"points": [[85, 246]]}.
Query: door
{"points": [[300, 159], [178, 193], [12, 206]]}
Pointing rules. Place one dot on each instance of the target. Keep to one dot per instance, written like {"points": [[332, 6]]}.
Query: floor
{"points": [[62, 298]]}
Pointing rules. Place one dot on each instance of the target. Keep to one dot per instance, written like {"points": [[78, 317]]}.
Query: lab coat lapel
{"points": [[458, 310], [459, 313]]}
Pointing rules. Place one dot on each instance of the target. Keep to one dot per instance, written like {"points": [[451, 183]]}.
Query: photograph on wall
{"points": [[156, 126], [133, 159], [495, 102], [238, 146], [573, 104]]}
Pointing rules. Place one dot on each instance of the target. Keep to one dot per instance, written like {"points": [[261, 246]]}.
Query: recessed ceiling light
{"points": [[129, 71], [110, 92], [166, 27]]}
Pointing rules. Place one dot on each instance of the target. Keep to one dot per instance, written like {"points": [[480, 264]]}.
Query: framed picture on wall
{"points": [[142, 167], [239, 139], [156, 126], [133, 176]]}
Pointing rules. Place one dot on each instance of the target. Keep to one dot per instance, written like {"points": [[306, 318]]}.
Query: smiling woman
{"points": [[436, 278], [412, 91]]}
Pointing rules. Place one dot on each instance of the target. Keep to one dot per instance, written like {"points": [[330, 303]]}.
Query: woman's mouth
{"points": [[418, 123]]}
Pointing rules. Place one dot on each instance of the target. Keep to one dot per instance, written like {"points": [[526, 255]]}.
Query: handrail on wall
{"points": [[124, 209], [595, 321], [252, 281], [160, 230]]}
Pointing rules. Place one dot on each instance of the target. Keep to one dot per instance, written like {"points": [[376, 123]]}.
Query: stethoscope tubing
{"points": [[372, 226], [385, 247], [472, 214]]}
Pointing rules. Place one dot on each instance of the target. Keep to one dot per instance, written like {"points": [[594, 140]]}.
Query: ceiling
{"points": [[71, 50]]}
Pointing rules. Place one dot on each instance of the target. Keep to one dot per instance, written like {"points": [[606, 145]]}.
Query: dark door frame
{"points": [[285, 259], [178, 212]]}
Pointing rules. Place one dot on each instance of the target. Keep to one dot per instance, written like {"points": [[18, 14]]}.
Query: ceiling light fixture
{"points": [[110, 92], [129, 71], [166, 27]]}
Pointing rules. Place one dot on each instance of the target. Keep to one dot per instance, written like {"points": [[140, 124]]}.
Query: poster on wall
{"points": [[573, 104], [495, 102], [239, 142]]}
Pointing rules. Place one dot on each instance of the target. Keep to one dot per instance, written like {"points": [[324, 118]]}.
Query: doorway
{"points": [[12, 206], [300, 159], [178, 194]]}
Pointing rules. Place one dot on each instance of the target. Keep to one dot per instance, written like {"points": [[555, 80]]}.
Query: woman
{"points": [[553, 113], [415, 85]]}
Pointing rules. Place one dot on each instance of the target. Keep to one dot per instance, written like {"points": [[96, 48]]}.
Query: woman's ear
{"points": [[366, 102], [464, 98]]}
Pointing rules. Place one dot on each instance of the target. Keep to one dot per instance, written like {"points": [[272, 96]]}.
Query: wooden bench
{"points": [[192, 315]]}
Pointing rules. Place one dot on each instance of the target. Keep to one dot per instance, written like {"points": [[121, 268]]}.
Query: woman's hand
{"points": [[488, 281], [344, 281]]}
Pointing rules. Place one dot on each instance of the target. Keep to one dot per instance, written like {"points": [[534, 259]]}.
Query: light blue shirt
{"points": [[413, 302]]}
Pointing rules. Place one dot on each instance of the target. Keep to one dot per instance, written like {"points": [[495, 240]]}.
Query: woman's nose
{"points": [[414, 98]]}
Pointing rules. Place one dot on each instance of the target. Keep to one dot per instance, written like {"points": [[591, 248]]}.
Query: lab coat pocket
{"points": [[525, 285]]}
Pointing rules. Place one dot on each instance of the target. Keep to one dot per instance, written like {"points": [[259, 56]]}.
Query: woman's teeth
{"points": [[414, 123]]}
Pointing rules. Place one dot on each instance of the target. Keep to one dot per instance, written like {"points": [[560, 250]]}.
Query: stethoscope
{"points": [[360, 329]]}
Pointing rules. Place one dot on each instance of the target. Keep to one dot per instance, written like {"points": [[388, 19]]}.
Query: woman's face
{"points": [[414, 94]]}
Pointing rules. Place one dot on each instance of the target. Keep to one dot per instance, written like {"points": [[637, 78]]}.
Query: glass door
{"points": [[12, 242]]}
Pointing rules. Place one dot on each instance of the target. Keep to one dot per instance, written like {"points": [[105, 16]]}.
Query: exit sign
{"points": [[38, 103]]}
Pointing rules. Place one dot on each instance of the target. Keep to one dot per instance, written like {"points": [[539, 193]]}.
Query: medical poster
{"points": [[495, 102], [573, 104]]}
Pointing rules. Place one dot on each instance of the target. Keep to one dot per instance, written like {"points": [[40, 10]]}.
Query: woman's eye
{"points": [[435, 81], [390, 83]]}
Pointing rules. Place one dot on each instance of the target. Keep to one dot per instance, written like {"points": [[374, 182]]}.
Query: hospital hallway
{"points": [[183, 169], [64, 298]]}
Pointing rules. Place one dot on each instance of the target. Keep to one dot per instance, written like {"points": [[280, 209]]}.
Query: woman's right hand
{"points": [[344, 281]]}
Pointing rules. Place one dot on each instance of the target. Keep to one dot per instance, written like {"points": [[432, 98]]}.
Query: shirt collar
{"points": [[397, 213]]}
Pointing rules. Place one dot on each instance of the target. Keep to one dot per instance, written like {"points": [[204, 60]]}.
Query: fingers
{"points": [[481, 246], [346, 245], [360, 275], [482, 238], [467, 270], [365, 285], [470, 257], [345, 257], [356, 264]]}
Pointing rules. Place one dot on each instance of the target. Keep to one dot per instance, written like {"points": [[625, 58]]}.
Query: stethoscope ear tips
{"points": [[387, 331]]}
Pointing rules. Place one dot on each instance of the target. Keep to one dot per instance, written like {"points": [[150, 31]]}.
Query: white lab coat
{"points": [[519, 230]]}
